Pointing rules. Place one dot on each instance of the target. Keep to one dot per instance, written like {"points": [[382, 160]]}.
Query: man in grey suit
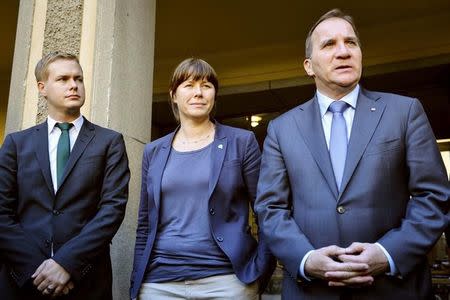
{"points": [[352, 192]]}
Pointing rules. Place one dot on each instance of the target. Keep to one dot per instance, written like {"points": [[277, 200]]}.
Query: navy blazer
{"points": [[394, 192], [234, 173], [80, 220]]}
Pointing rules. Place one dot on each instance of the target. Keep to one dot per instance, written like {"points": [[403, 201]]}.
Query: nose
{"points": [[73, 84], [197, 90], [342, 50]]}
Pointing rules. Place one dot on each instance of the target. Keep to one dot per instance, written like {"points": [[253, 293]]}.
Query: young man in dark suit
{"points": [[63, 192]]}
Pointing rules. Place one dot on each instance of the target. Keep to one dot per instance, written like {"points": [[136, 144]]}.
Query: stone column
{"points": [[122, 100], [115, 43]]}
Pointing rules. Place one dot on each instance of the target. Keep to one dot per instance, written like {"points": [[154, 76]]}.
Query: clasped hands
{"points": [[354, 266], [52, 279]]}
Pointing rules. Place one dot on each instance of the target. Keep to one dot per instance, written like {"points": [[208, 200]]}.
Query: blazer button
{"points": [[212, 211], [341, 209], [56, 212], [220, 239]]}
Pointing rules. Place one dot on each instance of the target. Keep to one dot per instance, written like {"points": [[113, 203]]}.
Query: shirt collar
{"points": [[324, 101], [77, 123]]}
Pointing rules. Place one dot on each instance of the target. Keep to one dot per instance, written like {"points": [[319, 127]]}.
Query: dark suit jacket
{"points": [[80, 220], [394, 191], [232, 187]]}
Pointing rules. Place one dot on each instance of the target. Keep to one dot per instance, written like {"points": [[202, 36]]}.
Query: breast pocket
{"points": [[384, 145]]}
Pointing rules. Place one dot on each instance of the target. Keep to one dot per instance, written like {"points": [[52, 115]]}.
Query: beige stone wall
{"points": [[122, 100], [62, 33]]}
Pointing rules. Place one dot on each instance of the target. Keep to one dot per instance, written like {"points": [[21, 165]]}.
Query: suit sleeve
{"points": [[266, 262], [426, 211], [143, 215], [17, 251], [77, 254], [273, 206]]}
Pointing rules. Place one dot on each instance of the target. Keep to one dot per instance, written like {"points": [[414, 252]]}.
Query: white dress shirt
{"points": [[53, 138], [327, 116]]}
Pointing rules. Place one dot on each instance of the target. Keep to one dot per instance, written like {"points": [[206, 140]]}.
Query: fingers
{"points": [[38, 270], [355, 248], [70, 285], [58, 291], [341, 275], [42, 287], [38, 274], [357, 281], [332, 251], [66, 290], [52, 279], [349, 258], [347, 267]]}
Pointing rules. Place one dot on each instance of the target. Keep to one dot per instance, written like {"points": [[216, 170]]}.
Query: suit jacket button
{"points": [[56, 212], [341, 209], [212, 211], [220, 239]]}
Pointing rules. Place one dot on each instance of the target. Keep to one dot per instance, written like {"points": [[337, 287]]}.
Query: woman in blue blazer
{"points": [[198, 182]]}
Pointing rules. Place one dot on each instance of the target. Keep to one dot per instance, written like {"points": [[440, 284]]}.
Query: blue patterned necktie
{"points": [[338, 140], [63, 150]]}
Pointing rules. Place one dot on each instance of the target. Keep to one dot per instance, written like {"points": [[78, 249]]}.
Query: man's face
{"points": [[63, 89], [336, 59]]}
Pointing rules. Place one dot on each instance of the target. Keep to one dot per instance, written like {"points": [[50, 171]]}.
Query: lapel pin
{"points": [[373, 109], [220, 146]]}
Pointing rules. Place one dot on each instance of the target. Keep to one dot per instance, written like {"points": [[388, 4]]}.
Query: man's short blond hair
{"points": [[41, 70]]}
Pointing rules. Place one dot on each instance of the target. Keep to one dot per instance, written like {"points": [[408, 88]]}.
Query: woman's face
{"points": [[195, 99]]}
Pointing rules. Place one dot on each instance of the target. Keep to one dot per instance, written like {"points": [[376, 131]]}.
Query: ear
{"points": [[172, 96], [41, 88], [308, 67]]}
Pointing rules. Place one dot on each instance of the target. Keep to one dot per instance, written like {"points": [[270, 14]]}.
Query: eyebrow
{"points": [[332, 40]]}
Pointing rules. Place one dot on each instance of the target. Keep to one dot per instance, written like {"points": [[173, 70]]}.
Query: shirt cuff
{"points": [[393, 268], [301, 269]]}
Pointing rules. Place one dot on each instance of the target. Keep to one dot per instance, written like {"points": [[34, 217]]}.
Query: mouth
{"points": [[343, 68], [73, 97]]}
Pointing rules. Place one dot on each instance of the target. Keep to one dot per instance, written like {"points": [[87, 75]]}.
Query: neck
{"points": [[64, 117], [194, 130], [336, 93]]}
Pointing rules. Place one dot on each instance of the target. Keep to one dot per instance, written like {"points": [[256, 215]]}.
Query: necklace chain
{"points": [[186, 141], [196, 141]]}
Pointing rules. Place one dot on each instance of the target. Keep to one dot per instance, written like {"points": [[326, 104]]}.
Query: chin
{"points": [[348, 82]]}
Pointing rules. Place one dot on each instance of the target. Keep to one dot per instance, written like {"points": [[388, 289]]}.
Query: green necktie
{"points": [[63, 150]]}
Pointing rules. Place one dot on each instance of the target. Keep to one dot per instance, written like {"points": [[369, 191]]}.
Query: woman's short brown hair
{"points": [[190, 68]]}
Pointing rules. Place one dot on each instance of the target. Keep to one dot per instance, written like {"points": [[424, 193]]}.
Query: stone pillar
{"points": [[115, 43], [122, 100]]}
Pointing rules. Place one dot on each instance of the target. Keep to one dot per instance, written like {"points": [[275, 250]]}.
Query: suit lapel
{"points": [[218, 150], [41, 150], [367, 116], [310, 125], [87, 132], [159, 165]]}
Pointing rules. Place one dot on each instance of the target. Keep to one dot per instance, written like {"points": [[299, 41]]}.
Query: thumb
{"points": [[354, 248]]}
